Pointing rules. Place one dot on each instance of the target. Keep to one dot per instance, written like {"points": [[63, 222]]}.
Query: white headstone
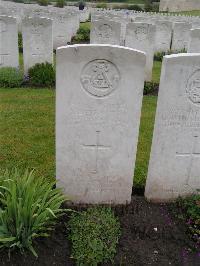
{"points": [[37, 41], [99, 94], [64, 27], [174, 168], [9, 55], [105, 32], [181, 33], [194, 42], [163, 36], [141, 36]]}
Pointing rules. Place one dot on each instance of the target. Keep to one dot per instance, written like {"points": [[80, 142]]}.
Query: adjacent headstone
{"points": [[194, 42], [163, 36], [99, 94], [64, 27], [9, 55], [174, 167], [105, 32], [141, 36], [181, 35], [37, 41]]}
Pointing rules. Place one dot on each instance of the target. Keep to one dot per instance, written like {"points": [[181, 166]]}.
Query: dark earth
{"points": [[150, 236]]}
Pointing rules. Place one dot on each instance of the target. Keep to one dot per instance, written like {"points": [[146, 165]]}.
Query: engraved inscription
{"points": [[112, 115], [193, 87], [194, 153], [96, 147], [141, 33], [2, 26], [100, 77], [37, 29], [104, 31], [181, 117]]}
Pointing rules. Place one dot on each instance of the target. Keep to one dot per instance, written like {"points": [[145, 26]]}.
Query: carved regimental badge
{"points": [[141, 33], [104, 31], [193, 87], [100, 77]]}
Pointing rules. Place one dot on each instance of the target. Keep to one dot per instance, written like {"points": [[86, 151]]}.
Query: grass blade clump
{"points": [[29, 208]]}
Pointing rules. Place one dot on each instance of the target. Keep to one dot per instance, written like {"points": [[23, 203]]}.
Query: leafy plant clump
{"points": [[159, 55], [83, 34], [60, 3], [43, 2], [189, 211], [10, 77], [42, 75], [20, 42], [29, 208], [151, 88], [94, 235], [101, 5]]}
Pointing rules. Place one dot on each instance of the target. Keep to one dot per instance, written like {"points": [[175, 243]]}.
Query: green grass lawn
{"points": [[27, 129], [145, 139], [156, 71], [27, 137]]}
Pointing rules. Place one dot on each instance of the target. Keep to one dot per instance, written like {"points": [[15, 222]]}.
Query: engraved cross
{"points": [[193, 154], [97, 147]]}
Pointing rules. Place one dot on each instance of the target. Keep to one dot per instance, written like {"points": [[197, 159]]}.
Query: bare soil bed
{"points": [[150, 236]]}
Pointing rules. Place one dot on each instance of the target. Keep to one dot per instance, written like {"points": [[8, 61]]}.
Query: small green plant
{"points": [[43, 2], [60, 3], [159, 55], [83, 34], [29, 208], [94, 235], [150, 6], [189, 211], [42, 75], [150, 87], [101, 5], [20, 42], [10, 77], [135, 7]]}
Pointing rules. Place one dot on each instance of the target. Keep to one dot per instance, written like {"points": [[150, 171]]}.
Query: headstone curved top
{"points": [[141, 36], [105, 32], [37, 41]]}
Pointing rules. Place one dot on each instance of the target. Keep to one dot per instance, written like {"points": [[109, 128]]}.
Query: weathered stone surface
{"points": [[174, 168], [163, 36], [141, 36], [194, 42], [9, 55], [64, 27], [105, 32], [37, 41], [99, 94], [181, 35]]}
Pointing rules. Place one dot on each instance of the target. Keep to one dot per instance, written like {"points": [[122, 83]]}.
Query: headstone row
{"points": [[99, 95]]}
